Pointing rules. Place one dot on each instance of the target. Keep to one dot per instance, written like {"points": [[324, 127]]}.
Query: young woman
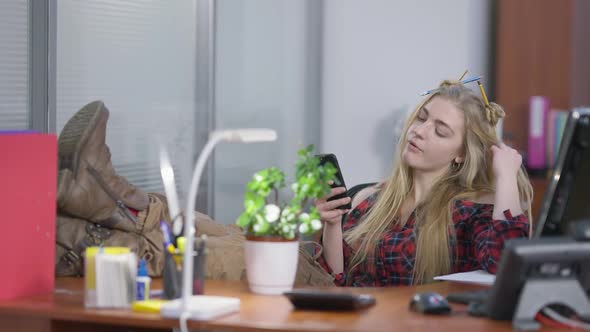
{"points": [[455, 195]]}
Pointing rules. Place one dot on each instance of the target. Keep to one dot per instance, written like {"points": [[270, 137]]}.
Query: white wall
{"points": [[378, 55]]}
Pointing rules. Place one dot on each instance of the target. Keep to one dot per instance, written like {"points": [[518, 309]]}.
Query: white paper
{"points": [[115, 280], [474, 277], [202, 307]]}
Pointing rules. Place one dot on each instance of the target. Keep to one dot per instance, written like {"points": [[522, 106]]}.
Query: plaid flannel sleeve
{"points": [[489, 236], [351, 220], [339, 278]]}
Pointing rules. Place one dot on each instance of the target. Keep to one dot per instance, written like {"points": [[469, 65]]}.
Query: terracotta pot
{"points": [[271, 263]]}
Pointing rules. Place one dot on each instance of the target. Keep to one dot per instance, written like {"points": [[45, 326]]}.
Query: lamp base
{"points": [[202, 307]]}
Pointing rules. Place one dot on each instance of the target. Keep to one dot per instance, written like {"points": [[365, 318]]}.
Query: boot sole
{"points": [[75, 134]]}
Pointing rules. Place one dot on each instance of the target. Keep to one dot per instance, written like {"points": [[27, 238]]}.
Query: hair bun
{"points": [[447, 83], [494, 113]]}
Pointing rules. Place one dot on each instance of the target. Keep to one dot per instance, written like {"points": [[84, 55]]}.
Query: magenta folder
{"points": [[28, 178], [538, 111]]}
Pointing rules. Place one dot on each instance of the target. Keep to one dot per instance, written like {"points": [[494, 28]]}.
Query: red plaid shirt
{"points": [[478, 245]]}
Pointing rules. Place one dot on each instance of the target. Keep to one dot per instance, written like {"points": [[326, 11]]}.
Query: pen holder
{"points": [[173, 265]]}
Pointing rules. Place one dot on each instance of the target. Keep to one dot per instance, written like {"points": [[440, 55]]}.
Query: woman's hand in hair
{"points": [[329, 211], [506, 164], [506, 161]]}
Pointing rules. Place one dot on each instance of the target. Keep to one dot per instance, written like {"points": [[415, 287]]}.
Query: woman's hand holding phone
{"points": [[329, 210], [331, 215]]}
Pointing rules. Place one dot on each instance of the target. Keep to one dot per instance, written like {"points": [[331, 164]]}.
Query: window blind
{"points": [[14, 64], [138, 57]]}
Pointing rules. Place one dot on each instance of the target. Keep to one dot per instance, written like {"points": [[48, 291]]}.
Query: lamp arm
{"points": [[189, 221]]}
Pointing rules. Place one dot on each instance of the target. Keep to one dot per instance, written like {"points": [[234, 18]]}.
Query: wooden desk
{"points": [[64, 311]]}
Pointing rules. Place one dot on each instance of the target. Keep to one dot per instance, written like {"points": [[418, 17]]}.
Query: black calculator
{"points": [[326, 300]]}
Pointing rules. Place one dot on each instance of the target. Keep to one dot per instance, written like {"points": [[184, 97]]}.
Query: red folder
{"points": [[28, 185]]}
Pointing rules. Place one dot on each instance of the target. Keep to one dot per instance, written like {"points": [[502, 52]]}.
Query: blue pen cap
{"points": [[143, 271]]}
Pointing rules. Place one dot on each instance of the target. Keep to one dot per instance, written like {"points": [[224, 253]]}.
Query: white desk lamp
{"points": [[190, 306], [167, 173]]}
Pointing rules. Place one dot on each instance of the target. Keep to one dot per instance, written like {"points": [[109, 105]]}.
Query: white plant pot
{"points": [[271, 265]]}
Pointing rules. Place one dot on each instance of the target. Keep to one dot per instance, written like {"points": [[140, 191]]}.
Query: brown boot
{"points": [[74, 235], [89, 187]]}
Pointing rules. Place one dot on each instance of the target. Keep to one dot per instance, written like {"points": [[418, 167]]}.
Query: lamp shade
{"points": [[250, 135]]}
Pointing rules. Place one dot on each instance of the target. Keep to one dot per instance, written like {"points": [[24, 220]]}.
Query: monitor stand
{"points": [[539, 293]]}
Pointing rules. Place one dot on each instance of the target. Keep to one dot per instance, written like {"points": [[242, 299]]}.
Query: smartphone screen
{"points": [[339, 181]]}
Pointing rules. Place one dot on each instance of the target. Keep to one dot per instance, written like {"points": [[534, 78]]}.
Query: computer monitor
{"points": [[546, 259], [568, 194], [552, 256]]}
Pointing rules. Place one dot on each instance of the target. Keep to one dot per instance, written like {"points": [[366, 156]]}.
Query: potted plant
{"points": [[273, 227]]}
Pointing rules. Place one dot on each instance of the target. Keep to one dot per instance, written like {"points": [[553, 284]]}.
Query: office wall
{"points": [[378, 55]]}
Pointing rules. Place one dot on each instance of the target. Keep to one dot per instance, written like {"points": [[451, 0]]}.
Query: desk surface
{"points": [[257, 312]]}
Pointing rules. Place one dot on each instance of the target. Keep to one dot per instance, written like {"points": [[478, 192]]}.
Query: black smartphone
{"points": [[313, 299], [339, 182]]}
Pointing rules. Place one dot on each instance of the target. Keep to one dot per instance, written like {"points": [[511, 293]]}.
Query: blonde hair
{"points": [[435, 230]]}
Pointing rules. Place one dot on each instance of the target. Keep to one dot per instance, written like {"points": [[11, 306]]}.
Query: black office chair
{"points": [[357, 188]]}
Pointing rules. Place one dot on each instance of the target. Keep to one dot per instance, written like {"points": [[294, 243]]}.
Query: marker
{"points": [[181, 242], [166, 232], [171, 249]]}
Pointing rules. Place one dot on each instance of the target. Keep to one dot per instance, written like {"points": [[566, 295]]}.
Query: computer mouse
{"points": [[430, 303]]}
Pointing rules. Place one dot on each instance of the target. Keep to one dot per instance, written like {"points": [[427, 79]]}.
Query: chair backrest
{"points": [[357, 188]]}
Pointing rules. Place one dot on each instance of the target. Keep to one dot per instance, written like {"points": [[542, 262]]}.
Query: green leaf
{"points": [[244, 220], [310, 182]]}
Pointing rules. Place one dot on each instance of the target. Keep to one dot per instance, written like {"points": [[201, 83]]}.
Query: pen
{"points": [[469, 80], [201, 244]]}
